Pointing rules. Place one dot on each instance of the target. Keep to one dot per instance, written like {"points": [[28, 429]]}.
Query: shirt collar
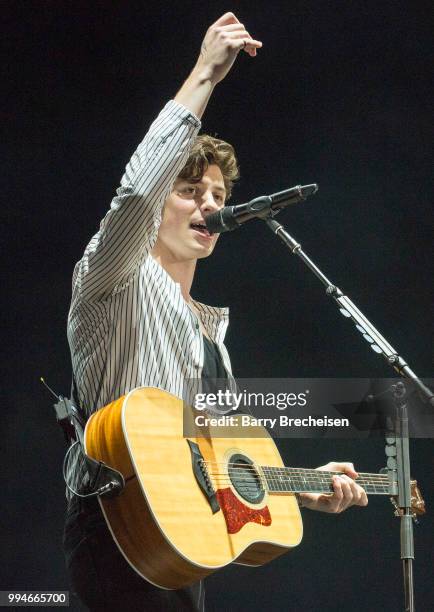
{"points": [[215, 319]]}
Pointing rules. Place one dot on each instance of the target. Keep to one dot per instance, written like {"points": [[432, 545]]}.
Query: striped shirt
{"points": [[128, 325]]}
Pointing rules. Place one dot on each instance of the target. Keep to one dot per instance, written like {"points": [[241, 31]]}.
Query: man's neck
{"points": [[181, 272]]}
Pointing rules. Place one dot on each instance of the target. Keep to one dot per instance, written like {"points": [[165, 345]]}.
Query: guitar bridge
{"points": [[202, 477]]}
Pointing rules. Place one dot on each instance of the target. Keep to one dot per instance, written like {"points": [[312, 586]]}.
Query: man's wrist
{"points": [[203, 74], [196, 91], [299, 499]]}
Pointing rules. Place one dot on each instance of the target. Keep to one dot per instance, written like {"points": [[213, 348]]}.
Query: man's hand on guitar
{"points": [[346, 491]]}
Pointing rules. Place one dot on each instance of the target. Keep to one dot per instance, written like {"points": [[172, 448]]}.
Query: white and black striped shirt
{"points": [[128, 324]]}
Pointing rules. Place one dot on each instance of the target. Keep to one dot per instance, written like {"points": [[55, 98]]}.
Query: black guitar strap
{"points": [[75, 401]]}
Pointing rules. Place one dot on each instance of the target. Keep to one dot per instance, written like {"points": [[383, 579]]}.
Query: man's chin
{"points": [[202, 249], [199, 251], [203, 255]]}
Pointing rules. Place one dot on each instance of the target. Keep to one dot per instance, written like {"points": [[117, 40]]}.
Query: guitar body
{"points": [[162, 521]]}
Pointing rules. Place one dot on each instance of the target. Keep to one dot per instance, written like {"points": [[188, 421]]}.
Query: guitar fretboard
{"points": [[298, 480]]}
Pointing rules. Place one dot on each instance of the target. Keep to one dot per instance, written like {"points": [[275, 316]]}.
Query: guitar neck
{"points": [[298, 480]]}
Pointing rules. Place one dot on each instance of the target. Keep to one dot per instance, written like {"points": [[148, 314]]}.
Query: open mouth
{"points": [[201, 228]]}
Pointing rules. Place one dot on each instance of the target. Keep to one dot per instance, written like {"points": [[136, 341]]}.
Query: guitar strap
{"points": [[74, 398]]}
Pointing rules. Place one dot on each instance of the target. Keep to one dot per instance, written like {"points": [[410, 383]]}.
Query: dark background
{"points": [[340, 95]]}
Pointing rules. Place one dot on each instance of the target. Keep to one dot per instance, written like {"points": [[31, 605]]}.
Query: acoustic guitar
{"points": [[193, 505]]}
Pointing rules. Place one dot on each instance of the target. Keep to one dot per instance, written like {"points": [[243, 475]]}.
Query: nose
{"points": [[208, 204]]}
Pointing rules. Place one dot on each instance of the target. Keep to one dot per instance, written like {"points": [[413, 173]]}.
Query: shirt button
{"points": [[197, 325]]}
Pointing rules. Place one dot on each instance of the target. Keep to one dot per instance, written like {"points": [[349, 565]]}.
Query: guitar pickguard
{"points": [[238, 514]]}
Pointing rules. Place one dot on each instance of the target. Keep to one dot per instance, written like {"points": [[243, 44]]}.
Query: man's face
{"points": [[182, 235]]}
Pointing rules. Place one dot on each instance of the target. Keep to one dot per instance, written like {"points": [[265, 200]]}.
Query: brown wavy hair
{"points": [[208, 150]]}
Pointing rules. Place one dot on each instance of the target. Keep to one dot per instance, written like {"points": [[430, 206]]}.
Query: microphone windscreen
{"points": [[221, 221]]}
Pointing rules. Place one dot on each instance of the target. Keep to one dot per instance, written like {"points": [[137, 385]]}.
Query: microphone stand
{"points": [[397, 446]]}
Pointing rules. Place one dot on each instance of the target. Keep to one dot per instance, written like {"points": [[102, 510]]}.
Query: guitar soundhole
{"points": [[245, 479]]}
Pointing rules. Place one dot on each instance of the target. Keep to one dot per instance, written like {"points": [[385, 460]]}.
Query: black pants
{"points": [[100, 576]]}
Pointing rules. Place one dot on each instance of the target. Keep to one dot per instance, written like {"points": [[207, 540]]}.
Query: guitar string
{"points": [[308, 479], [301, 485], [310, 470], [327, 484], [316, 474], [252, 490], [290, 470], [225, 479], [295, 488], [305, 481], [255, 491], [311, 478]]}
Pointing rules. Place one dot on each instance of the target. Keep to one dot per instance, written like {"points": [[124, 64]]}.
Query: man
{"points": [[133, 322]]}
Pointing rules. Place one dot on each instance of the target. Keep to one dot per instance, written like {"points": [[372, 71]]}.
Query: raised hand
{"points": [[223, 41]]}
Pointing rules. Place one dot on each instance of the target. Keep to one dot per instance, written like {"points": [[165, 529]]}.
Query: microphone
{"points": [[231, 217]]}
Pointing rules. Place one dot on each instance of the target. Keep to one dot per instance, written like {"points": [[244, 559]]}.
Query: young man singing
{"points": [[132, 320]]}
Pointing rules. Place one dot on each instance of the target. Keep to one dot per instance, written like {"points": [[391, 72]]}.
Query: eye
{"points": [[187, 191]]}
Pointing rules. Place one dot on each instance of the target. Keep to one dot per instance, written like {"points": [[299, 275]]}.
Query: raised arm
{"points": [[129, 229], [220, 47]]}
